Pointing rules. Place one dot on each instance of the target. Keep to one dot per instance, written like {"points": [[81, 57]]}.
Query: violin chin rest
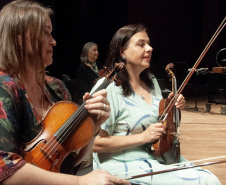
{"points": [[170, 158], [173, 156]]}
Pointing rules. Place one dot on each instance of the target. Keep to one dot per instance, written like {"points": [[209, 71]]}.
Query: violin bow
{"points": [[175, 169], [172, 165], [172, 102]]}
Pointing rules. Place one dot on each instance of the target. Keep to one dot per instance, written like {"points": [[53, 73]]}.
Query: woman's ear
{"points": [[122, 52]]}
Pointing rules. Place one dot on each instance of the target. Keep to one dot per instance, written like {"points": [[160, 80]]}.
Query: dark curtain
{"points": [[178, 29]]}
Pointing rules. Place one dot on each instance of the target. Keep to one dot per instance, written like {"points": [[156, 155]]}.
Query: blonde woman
{"points": [[26, 94]]}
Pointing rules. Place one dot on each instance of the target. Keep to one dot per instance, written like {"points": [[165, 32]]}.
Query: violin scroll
{"points": [[112, 75], [169, 69]]}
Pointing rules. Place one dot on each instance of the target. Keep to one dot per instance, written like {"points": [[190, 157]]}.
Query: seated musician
{"points": [[132, 126], [26, 94]]}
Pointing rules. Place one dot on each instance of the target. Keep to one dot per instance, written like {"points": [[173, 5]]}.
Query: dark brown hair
{"points": [[121, 41]]}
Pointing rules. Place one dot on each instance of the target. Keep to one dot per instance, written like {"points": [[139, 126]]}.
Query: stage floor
{"points": [[203, 134]]}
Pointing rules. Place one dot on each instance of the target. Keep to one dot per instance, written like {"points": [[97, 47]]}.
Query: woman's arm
{"points": [[30, 174], [109, 144], [105, 143]]}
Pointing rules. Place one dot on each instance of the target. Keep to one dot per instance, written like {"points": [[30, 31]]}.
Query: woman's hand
{"points": [[98, 105], [153, 132], [180, 103], [100, 177]]}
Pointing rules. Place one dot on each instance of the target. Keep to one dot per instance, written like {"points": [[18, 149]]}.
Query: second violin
{"points": [[167, 148]]}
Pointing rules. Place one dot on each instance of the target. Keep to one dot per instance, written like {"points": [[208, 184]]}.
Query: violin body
{"points": [[66, 130], [47, 151], [167, 149]]}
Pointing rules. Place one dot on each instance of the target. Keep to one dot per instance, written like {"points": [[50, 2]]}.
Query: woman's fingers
{"points": [[153, 132], [98, 106], [100, 177], [181, 103]]}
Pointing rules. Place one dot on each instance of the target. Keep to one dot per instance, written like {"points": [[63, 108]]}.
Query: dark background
{"points": [[179, 31]]}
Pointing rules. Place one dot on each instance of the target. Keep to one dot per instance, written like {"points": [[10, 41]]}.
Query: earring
{"points": [[123, 57]]}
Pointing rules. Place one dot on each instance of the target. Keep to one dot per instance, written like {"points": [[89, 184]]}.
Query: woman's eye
{"points": [[47, 33]]}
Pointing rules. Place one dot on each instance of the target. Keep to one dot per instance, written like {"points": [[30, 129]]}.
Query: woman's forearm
{"points": [[30, 174], [110, 144]]}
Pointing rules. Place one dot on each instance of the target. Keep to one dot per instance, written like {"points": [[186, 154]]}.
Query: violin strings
{"points": [[53, 144], [172, 165], [173, 100], [84, 111], [81, 111]]}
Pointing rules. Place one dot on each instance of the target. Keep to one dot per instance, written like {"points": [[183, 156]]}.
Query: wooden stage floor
{"points": [[203, 134]]}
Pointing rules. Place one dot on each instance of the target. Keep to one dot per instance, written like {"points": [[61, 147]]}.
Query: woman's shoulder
{"points": [[151, 76], [8, 82], [82, 65], [52, 80], [83, 69], [57, 87], [4, 76], [153, 79], [10, 89], [156, 90]]}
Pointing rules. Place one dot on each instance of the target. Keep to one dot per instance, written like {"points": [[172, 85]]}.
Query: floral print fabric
{"points": [[18, 121], [9, 163]]}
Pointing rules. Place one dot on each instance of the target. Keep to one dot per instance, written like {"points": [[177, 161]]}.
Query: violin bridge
{"points": [[45, 153]]}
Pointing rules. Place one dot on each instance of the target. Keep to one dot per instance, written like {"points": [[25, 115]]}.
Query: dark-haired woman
{"points": [[121, 144]]}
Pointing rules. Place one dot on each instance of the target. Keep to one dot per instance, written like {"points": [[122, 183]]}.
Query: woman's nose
{"points": [[149, 48], [53, 42]]}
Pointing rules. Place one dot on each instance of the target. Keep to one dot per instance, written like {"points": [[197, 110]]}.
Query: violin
{"points": [[172, 152], [66, 130], [167, 148]]}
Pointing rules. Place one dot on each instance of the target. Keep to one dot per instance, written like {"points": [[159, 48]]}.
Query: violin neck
{"points": [[174, 85], [104, 85], [64, 131]]}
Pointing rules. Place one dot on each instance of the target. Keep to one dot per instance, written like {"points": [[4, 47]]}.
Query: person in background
{"points": [[121, 146], [88, 70], [26, 94]]}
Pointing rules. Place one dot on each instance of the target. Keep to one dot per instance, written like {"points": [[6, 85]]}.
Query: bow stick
{"points": [[175, 169], [172, 165], [173, 100]]}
